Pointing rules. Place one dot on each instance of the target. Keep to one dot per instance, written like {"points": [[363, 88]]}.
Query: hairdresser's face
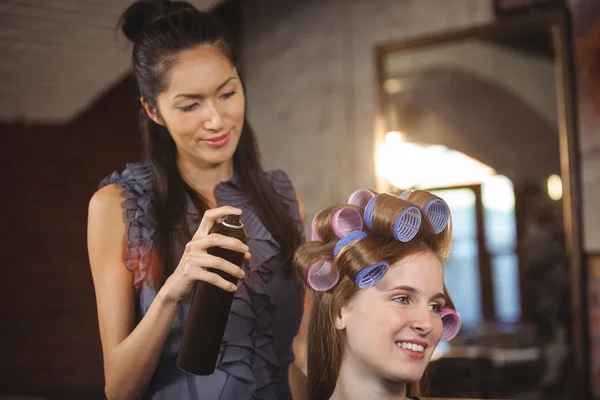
{"points": [[203, 106], [393, 327]]}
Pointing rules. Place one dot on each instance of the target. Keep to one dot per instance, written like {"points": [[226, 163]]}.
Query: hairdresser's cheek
{"points": [[185, 128]]}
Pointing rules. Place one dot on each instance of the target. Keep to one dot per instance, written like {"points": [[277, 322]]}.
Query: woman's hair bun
{"points": [[139, 14]]}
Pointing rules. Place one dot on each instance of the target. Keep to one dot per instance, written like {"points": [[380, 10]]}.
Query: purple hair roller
{"points": [[320, 276], [451, 324], [371, 275], [360, 197], [436, 209], [405, 194], [438, 213], [406, 225], [349, 238]]}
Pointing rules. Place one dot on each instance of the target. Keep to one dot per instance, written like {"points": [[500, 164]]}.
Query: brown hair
{"points": [[325, 342]]}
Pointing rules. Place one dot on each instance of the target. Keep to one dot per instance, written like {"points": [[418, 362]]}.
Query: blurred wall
{"points": [[309, 69]]}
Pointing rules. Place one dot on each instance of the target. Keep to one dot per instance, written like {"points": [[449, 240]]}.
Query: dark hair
{"points": [[160, 31]]}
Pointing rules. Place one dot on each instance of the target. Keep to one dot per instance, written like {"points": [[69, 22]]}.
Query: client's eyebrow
{"points": [[412, 290]]}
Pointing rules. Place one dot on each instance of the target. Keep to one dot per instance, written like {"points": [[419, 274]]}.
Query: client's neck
{"points": [[354, 383]]}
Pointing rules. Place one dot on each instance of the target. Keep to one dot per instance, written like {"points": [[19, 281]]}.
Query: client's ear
{"points": [[340, 322]]}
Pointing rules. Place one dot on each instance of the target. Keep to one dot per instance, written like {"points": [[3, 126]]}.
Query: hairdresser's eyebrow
{"points": [[197, 96], [412, 290]]}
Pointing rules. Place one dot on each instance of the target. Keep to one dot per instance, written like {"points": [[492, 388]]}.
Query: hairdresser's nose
{"points": [[212, 118], [423, 320]]}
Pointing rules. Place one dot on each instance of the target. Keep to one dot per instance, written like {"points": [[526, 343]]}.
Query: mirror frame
{"points": [[558, 22]]}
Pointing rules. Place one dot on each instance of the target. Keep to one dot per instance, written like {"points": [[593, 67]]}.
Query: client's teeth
{"points": [[411, 346]]}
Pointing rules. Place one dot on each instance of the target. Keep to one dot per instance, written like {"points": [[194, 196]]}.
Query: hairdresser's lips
{"points": [[218, 141], [413, 348]]}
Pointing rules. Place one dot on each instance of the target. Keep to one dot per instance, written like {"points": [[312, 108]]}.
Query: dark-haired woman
{"points": [[148, 227]]}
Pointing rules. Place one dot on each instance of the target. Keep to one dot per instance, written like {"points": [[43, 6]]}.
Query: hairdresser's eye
{"points": [[228, 95], [401, 299], [189, 108], [436, 308]]}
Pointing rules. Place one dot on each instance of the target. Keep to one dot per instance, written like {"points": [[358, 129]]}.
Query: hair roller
{"points": [[313, 262], [336, 222], [451, 324], [386, 214], [371, 275], [321, 276], [435, 208], [346, 240], [359, 259], [361, 197]]}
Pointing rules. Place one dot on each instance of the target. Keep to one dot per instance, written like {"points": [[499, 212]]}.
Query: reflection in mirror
{"points": [[476, 119]]}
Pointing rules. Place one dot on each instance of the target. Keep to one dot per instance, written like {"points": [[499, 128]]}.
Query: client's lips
{"points": [[218, 141]]}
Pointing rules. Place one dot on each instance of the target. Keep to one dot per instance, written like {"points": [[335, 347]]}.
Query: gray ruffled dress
{"points": [[266, 310]]}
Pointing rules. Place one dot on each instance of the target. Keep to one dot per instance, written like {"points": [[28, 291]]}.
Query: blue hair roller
{"points": [[349, 238], [371, 275], [436, 209], [406, 225]]}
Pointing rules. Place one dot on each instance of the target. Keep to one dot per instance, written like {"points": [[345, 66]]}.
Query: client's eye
{"points": [[401, 299], [436, 308]]}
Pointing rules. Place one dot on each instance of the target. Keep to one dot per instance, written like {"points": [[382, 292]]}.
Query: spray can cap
{"points": [[232, 221]]}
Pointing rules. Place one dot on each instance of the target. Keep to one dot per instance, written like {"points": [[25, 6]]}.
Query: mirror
{"points": [[484, 118]]}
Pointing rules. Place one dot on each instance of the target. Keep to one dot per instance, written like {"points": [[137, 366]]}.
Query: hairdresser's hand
{"points": [[195, 259]]}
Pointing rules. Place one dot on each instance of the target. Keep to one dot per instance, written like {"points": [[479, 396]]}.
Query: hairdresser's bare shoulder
{"points": [[107, 226], [107, 202]]}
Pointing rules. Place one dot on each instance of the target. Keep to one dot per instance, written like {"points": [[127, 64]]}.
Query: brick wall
{"points": [[49, 332]]}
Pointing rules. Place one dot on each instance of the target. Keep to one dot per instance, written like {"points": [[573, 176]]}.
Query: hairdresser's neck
{"points": [[356, 382], [204, 177]]}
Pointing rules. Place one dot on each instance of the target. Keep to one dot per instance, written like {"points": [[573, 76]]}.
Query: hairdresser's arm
{"points": [[130, 355], [298, 383]]}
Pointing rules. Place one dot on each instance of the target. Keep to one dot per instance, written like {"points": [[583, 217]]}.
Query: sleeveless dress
{"points": [[266, 310]]}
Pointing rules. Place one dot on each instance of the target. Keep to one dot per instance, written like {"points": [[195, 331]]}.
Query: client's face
{"points": [[393, 327]]}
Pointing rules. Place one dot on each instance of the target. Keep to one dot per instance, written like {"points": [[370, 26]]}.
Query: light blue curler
{"points": [[406, 225], [436, 209], [349, 238], [371, 275]]}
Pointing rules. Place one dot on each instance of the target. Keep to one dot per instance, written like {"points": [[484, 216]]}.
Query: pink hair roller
{"points": [[344, 221], [320, 276], [360, 197], [451, 324]]}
